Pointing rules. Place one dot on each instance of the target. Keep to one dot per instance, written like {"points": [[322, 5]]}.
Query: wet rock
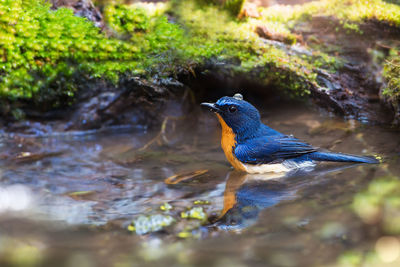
{"points": [[81, 8], [134, 101], [354, 90]]}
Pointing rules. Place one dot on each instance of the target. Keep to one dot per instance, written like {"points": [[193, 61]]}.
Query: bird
{"points": [[253, 147]]}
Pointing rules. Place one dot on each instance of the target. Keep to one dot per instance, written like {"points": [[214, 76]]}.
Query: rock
{"points": [[134, 101], [82, 8], [269, 34]]}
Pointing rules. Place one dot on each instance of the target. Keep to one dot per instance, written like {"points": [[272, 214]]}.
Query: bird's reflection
{"points": [[246, 195]]}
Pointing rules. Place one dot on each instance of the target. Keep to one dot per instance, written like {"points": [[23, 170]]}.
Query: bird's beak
{"points": [[212, 106]]}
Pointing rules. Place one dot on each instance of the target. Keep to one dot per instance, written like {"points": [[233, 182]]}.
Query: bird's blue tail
{"points": [[339, 157]]}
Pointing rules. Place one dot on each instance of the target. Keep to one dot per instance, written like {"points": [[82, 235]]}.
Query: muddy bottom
{"points": [[69, 199]]}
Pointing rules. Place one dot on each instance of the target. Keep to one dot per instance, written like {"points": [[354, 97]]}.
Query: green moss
{"points": [[234, 7], [126, 19], [46, 55], [215, 35], [391, 73], [350, 13], [43, 51]]}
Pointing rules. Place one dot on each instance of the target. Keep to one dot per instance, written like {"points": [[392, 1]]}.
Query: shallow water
{"points": [[69, 198]]}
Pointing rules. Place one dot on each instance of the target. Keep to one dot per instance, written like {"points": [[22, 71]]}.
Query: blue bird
{"points": [[251, 146]]}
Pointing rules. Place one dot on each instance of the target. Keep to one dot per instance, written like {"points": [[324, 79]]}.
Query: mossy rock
{"points": [[46, 56], [391, 73]]}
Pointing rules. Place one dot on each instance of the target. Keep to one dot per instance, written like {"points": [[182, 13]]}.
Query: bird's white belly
{"points": [[284, 167]]}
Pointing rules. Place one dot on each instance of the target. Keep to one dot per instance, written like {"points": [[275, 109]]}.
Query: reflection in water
{"points": [[247, 194]]}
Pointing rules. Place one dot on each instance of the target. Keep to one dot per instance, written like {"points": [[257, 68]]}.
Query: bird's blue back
{"points": [[256, 143]]}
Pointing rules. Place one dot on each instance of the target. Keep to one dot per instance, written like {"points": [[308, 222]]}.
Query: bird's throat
{"points": [[228, 144]]}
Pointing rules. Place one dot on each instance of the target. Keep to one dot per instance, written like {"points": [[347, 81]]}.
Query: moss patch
{"points": [[391, 73], [216, 35], [350, 13], [45, 54], [234, 7], [41, 51]]}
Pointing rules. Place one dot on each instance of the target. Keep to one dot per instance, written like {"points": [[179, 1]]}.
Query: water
{"points": [[68, 199]]}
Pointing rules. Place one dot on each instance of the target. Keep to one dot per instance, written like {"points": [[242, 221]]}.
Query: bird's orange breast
{"points": [[228, 143]]}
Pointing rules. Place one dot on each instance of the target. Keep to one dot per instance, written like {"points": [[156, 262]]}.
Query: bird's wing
{"points": [[268, 149]]}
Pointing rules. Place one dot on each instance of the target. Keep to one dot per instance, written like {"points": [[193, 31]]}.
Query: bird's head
{"points": [[241, 116]]}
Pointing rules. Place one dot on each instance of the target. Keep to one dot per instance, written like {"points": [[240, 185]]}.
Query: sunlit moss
{"points": [[218, 36], [350, 13], [234, 7], [42, 52], [46, 55], [391, 73]]}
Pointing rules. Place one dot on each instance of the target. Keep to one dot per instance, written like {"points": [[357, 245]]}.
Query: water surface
{"points": [[70, 197]]}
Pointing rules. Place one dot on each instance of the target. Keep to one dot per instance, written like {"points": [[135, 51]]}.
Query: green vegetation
{"points": [[234, 7], [391, 73], [46, 56], [43, 52], [349, 13], [214, 34]]}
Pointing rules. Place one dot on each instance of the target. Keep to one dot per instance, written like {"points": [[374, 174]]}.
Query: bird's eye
{"points": [[232, 109]]}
